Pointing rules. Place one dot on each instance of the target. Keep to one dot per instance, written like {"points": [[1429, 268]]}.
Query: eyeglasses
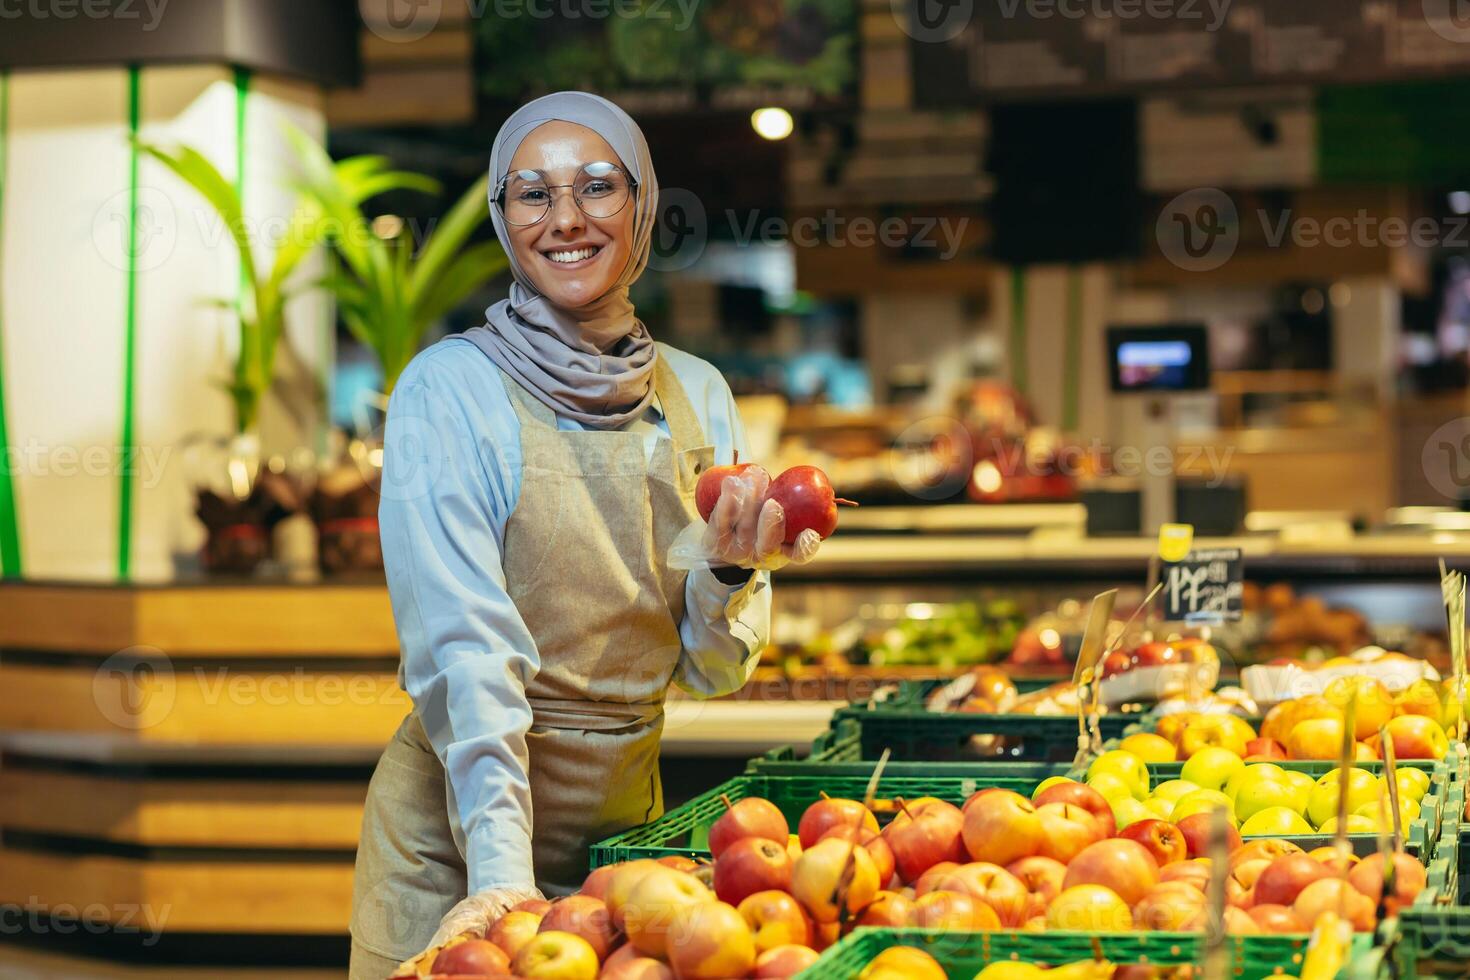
{"points": [[600, 189]]}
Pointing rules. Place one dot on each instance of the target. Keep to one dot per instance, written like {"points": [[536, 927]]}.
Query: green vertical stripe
{"points": [[1072, 350], [242, 90], [130, 317], [10, 561], [1018, 328]]}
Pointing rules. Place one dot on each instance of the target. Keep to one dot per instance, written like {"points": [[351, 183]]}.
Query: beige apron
{"points": [[584, 563]]}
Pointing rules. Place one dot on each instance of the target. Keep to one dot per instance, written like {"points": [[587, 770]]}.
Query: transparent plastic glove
{"points": [[476, 914], [748, 531]]}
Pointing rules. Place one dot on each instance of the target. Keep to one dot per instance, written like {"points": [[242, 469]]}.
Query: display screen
{"points": [[1174, 358]]}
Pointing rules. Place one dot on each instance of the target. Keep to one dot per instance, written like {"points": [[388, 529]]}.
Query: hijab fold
{"points": [[595, 363]]}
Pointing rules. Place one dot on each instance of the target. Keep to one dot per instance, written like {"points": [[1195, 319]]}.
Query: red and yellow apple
{"points": [[710, 941], [1123, 866], [1002, 827]]}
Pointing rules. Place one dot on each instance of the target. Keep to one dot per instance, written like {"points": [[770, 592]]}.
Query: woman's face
{"points": [[559, 150]]}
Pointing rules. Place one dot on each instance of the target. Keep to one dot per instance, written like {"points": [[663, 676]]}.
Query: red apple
{"points": [[1162, 839], [1276, 918], [927, 833], [784, 961], [805, 495], [1042, 878], [585, 916], [653, 905], [750, 817], [1089, 799], [889, 909], [1263, 749], [1002, 827], [1155, 654], [1115, 663], [996, 887], [1125, 866], [712, 481], [1338, 896], [1171, 906], [1195, 829], [1283, 879], [514, 930], [597, 882], [1066, 830], [625, 963], [823, 815], [931, 880], [953, 910], [557, 956], [710, 941], [750, 865], [1194, 872], [965, 806], [1262, 849], [473, 956], [540, 906], [1409, 880], [776, 919], [876, 846]]}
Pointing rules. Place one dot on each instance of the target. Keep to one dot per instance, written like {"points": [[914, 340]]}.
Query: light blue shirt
{"points": [[451, 478]]}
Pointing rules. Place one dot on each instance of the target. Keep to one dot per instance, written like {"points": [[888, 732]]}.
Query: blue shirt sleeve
{"points": [[467, 654]]}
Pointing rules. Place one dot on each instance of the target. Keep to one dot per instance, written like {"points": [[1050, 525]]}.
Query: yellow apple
{"points": [[1127, 810], [1174, 789], [1202, 801], [1303, 785], [1377, 811], [1276, 821], [1110, 786], [1211, 767], [1048, 783], [1220, 731], [1264, 791], [1374, 704], [1258, 770], [1323, 802], [1413, 783], [1159, 806], [1126, 766], [1356, 824], [1149, 747]]}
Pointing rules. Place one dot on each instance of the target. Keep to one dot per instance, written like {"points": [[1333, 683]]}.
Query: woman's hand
{"points": [[477, 913], [748, 531]]}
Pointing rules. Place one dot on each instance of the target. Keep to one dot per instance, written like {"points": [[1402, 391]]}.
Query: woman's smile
{"points": [[567, 258]]}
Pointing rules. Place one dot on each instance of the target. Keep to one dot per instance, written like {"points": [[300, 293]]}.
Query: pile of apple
{"points": [[804, 493], [1312, 727], [1260, 798]]}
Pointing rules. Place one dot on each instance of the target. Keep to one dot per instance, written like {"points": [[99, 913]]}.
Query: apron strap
{"points": [[527, 408], [684, 427]]}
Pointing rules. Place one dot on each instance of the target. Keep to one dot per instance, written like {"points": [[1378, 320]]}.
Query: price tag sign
{"points": [[1207, 586]]}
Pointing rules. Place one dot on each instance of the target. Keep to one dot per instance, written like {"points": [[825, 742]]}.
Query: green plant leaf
{"points": [[468, 213], [467, 273]]}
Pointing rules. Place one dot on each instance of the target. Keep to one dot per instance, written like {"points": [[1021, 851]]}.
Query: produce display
{"points": [[938, 635]]}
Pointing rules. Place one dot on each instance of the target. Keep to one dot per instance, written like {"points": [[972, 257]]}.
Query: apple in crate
{"points": [[749, 817]]}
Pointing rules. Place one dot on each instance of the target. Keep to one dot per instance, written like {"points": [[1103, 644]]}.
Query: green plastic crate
{"points": [[964, 954], [794, 786], [914, 733]]}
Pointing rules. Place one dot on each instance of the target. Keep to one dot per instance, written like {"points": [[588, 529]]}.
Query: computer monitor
{"points": [[1174, 357]]}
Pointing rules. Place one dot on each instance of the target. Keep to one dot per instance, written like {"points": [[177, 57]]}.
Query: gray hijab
{"points": [[594, 363]]}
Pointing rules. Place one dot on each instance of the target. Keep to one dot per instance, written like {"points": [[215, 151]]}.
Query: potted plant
{"points": [[241, 506], [389, 289]]}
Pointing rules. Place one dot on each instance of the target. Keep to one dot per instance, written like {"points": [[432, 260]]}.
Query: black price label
{"points": [[1206, 587]]}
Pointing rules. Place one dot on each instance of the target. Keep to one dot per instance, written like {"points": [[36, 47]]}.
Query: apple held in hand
{"points": [[805, 495], [473, 956], [712, 481], [513, 930]]}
